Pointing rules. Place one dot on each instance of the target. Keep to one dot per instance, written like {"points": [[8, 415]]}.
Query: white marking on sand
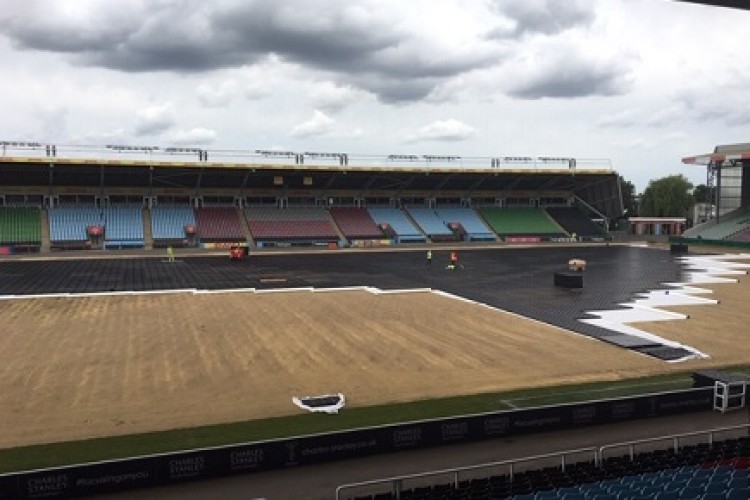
{"points": [[700, 269]]}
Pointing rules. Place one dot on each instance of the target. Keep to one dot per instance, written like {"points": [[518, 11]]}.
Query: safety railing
{"points": [[398, 481], [598, 455], [676, 439]]}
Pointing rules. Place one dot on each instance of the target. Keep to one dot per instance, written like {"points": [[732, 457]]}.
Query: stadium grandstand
{"points": [[56, 197], [728, 214]]}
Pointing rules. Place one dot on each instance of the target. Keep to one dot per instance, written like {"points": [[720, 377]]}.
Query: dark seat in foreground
{"points": [[703, 471]]}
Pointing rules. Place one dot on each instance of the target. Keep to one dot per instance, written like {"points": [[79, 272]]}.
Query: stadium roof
{"points": [[597, 184], [735, 4], [532, 166], [194, 158], [729, 152]]}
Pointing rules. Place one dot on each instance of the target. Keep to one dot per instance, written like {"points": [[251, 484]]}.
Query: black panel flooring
{"points": [[514, 279]]}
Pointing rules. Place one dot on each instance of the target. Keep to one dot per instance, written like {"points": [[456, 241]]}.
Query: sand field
{"points": [[74, 368]]}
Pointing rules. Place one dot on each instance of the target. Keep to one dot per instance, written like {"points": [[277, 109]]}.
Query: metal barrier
{"points": [[597, 453], [397, 481], [675, 438]]}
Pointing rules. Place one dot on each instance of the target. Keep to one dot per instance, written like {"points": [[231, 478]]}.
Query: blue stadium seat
{"points": [[738, 493], [168, 221], [668, 495], [714, 496], [691, 492]]}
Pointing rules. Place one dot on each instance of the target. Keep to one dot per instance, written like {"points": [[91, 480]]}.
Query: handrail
{"points": [[598, 454], [397, 481], [674, 437]]}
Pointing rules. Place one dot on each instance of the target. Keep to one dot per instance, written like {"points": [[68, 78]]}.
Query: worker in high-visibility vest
{"points": [[454, 260]]}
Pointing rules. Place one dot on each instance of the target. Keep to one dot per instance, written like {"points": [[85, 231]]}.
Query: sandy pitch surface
{"points": [[74, 368]]}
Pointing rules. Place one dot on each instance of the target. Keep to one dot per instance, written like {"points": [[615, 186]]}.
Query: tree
{"points": [[628, 198], [667, 197], [702, 194]]}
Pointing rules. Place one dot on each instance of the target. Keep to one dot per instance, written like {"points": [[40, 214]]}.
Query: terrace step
{"points": [[148, 238], [336, 227], [246, 228], [44, 231]]}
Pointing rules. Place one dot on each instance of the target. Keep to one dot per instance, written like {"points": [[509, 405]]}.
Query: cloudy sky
{"points": [[639, 82]]}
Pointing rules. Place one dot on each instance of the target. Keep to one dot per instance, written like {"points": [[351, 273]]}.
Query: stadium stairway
{"points": [[406, 213], [339, 232], [553, 221], [246, 228], [481, 216], [44, 232], [148, 238]]}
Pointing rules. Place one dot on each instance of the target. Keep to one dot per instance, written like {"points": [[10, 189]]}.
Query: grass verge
{"points": [[91, 450]]}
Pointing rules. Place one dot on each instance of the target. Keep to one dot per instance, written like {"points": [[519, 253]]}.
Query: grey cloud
{"points": [[665, 117], [357, 41], [651, 117], [151, 128], [331, 97], [544, 16], [569, 85], [49, 26], [739, 117], [730, 115], [568, 72], [395, 91], [728, 107]]}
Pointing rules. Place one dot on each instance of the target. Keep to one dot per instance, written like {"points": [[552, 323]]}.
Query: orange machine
{"points": [[237, 253]]}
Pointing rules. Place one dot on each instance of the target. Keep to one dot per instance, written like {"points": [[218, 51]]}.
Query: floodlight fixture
{"points": [[553, 159], [202, 153], [275, 153], [182, 150], [503, 160], [440, 158], [19, 145], [137, 149], [342, 157], [571, 162], [517, 159], [403, 158], [322, 155]]}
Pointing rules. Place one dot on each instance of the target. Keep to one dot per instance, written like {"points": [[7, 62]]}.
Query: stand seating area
{"points": [[703, 471], [123, 226], [431, 224], [573, 221], [403, 228], [522, 222], [168, 222], [68, 223], [219, 224], [20, 226], [294, 223], [731, 227], [475, 229], [355, 223]]}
